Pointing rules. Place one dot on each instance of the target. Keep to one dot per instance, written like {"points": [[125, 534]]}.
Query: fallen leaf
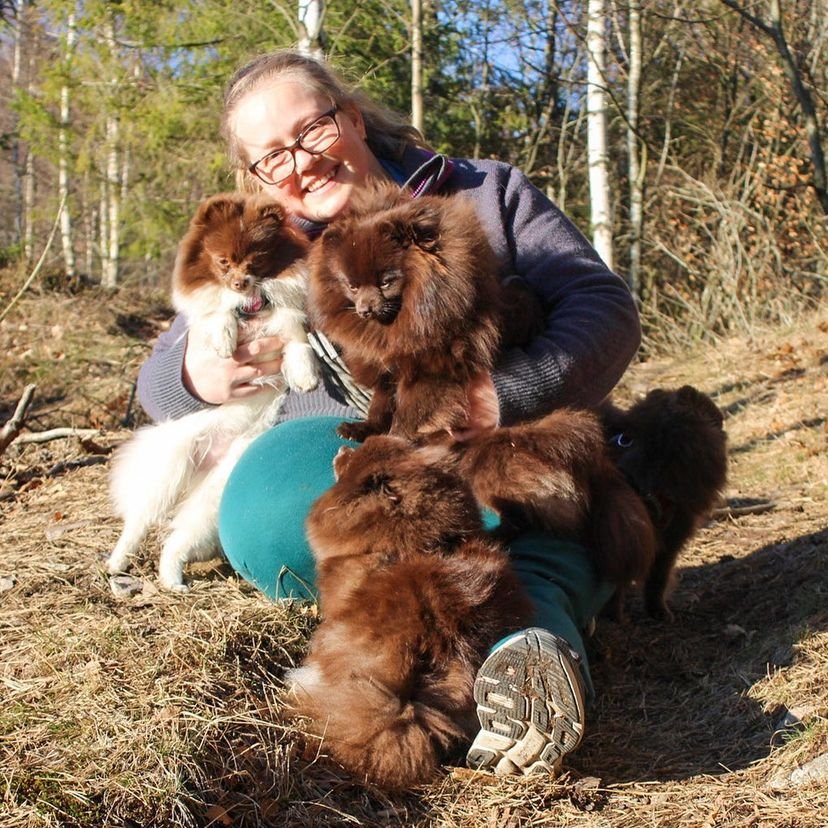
{"points": [[218, 814], [123, 586], [814, 771]]}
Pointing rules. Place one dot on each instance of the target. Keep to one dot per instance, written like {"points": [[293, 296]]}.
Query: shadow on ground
{"points": [[674, 698]]}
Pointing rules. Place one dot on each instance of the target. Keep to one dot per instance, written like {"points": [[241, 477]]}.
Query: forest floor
{"points": [[152, 709]]}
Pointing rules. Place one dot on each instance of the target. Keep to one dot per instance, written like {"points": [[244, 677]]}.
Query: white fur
{"points": [[183, 464]]}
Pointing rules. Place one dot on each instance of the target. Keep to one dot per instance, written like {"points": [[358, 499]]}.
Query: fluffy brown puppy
{"points": [[555, 475], [408, 290], [412, 596], [226, 269], [672, 448]]}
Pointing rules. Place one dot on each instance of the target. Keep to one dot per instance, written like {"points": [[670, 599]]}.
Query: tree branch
{"points": [[15, 425], [39, 264]]}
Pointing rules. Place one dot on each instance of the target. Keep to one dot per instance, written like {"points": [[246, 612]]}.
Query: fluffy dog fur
{"points": [[412, 596], [555, 475], [672, 448], [237, 277], [408, 290]]}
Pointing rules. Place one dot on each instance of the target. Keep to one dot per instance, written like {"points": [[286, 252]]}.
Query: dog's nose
{"points": [[239, 281]]}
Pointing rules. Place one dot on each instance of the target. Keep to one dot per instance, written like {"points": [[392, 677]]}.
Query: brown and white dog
{"points": [[238, 276]]}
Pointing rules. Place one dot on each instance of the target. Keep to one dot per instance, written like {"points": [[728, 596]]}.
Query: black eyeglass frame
{"points": [[297, 144]]}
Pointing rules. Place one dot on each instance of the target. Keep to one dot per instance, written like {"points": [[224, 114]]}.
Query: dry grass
{"points": [[160, 710]]}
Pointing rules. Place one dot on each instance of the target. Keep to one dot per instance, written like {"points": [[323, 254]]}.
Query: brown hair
{"points": [[387, 134]]}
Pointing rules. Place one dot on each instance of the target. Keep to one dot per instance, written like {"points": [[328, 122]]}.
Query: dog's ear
{"points": [[417, 224], [383, 485], [269, 211], [700, 402], [425, 227], [218, 209], [342, 459], [332, 236]]}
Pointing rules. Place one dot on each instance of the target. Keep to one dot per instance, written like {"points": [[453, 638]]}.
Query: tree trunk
{"points": [[66, 236], [598, 159], [635, 169], [776, 32], [28, 208], [806, 104], [417, 64], [311, 34], [19, 33], [111, 206]]}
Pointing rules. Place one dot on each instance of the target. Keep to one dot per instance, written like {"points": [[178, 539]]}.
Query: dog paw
{"points": [[300, 368], [180, 588], [115, 564], [224, 341], [358, 432]]}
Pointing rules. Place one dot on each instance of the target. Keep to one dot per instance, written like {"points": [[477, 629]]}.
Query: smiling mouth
{"points": [[320, 183], [252, 306]]}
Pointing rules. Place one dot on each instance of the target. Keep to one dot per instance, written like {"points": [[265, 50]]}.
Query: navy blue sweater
{"points": [[592, 329]]}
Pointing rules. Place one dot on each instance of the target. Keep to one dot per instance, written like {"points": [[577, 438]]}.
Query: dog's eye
{"points": [[622, 441], [388, 279], [223, 262], [353, 288]]}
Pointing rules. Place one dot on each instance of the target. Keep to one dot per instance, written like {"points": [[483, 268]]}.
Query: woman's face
{"points": [[272, 115]]}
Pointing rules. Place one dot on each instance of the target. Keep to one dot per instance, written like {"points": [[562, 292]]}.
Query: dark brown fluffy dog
{"points": [[672, 449], [412, 595], [555, 475], [408, 290]]}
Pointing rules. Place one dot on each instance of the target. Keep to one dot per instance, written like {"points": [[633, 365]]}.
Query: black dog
{"points": [[672, 449]]}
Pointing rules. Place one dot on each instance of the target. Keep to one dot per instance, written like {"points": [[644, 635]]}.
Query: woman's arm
{"points": [[592, 330], [179, 378]]}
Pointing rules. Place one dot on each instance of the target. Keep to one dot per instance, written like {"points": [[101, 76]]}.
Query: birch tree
{"points": [[635, 167], [18, 32], [110, 218], [417, 64], [66, 235], [311, 34], [598, 158]]}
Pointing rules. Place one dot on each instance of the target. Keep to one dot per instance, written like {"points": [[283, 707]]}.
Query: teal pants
{"points": [[270, 492]]}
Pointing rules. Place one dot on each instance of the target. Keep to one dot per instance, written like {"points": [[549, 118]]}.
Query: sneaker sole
{"points": [[530, 704]]}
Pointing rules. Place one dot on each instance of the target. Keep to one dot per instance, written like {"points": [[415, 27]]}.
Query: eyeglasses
{"points": [[315, 138]]}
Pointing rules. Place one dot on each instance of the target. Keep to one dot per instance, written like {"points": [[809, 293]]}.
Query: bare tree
{"points": [[417, 64], [635, 167], [66, 235], [774, 29], [598, 159], [111, 184], [311, 33]]}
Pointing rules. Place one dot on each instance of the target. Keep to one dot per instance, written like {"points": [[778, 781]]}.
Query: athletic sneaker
{"points": [[530, 702]]}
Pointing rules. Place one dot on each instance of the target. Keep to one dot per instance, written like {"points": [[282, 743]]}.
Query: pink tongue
{"points": [[253, 304]]}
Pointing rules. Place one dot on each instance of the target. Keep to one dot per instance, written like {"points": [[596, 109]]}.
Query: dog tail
{"points": [[373, 733], [623, 537]]}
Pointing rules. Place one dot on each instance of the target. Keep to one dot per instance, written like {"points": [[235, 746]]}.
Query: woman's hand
{"points": [[484, 409], [216, 379]]}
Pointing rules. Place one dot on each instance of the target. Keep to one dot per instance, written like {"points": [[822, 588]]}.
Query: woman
{"points": [[296, 131]]}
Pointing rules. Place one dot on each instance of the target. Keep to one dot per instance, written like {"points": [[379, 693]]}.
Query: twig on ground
{"points": [[740, 511], [15, 425], [58, 434], [66, 465]]}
